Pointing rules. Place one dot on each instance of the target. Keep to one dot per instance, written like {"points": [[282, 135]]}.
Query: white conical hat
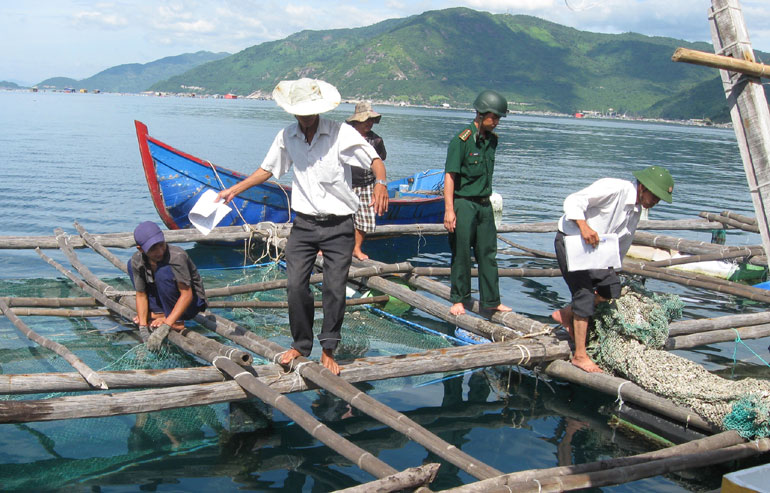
{"points": [[306, 96]]}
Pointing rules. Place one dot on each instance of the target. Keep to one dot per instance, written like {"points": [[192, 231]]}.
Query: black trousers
{"points": [[585, 284], [335, 238]]}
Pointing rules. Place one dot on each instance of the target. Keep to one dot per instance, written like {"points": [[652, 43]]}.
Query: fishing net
{"points": [[61, 454], [626, 339]]}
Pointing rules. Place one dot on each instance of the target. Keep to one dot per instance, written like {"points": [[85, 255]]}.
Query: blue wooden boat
{"points": [[177, 179]]}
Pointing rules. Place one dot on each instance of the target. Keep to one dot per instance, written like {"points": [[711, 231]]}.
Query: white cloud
{"points": [[99, 19]]}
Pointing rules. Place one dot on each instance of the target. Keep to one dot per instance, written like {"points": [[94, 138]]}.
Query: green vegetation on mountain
{"points": [[136, 77], [447, 56]]}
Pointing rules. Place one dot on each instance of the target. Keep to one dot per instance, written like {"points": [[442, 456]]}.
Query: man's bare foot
{"points": [[585, 364], [327, 359], [457, 309], [503, 308], [290, 356], [360, 255]]}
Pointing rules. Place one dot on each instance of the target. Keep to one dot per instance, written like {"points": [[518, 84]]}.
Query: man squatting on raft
{"points": [[468, 215], [321, 152], [169, 289], [609, 205]]}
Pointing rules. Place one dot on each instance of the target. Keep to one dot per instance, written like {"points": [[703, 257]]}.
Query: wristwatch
{"points": [[381, 182]]}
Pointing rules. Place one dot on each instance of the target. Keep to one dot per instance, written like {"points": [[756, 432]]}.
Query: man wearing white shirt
{"points": [[607, 206], [321, 152]]}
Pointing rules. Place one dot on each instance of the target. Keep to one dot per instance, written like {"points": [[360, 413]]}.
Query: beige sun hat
{"points": [[363, 112], [306, 96]]}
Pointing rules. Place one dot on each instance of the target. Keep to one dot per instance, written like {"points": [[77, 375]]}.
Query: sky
{"points": [[79, 38]]}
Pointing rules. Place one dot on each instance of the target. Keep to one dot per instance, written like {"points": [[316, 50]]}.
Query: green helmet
{"points": [[492, 101], [657, 180]]}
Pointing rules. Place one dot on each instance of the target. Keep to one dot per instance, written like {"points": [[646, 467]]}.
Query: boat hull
{"points": [[176, 181]]}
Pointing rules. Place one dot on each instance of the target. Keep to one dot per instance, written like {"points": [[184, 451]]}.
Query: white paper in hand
{"points": [[582, 256], [206, 213]]}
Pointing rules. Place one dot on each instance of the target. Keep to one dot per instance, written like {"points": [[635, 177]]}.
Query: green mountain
{"points": [[58, 83], [4, 84], [447, 56], [136, 77]]}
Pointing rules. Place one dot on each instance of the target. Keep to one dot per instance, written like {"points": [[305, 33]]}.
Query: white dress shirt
{"points": [[608, 206], [321, 183]]}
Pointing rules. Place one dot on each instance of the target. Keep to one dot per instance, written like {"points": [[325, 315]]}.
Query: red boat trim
{"points": [[152, 178]]}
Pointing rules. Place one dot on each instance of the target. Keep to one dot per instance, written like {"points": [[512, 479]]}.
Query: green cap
{"points": [[657, 180]]}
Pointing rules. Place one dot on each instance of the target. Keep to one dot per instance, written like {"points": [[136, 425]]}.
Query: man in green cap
{"points": [[608, 206], [468, 215]]}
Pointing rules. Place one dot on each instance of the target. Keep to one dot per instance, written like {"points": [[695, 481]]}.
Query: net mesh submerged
{"points": [[65, 453], [626, 338]]}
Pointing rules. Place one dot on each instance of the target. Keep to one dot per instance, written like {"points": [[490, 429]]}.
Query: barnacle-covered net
{"points": [[627, 338]]}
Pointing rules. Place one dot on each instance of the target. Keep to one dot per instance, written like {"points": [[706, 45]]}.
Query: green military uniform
{"points": [[472, 160]]}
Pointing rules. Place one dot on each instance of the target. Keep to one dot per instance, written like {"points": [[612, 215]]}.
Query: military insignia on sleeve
{"points": [[465, 134]]}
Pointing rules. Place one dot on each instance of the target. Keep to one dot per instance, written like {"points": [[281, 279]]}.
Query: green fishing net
{"points": [[626, 339]]}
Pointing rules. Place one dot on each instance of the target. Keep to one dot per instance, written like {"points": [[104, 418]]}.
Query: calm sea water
{"points": [[74, 157]]}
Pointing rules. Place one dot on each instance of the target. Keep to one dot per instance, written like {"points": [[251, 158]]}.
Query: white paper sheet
{"points": [[206, 213], [581, 256]]}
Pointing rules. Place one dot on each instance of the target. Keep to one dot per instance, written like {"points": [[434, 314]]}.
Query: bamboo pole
{"points": [[502, 272], [46, 383], [490, 330], [363, 459], [324, 378], [739, 217], [715, 442], [714, 336], [285, 304], [314, 279], [406, 479], [681, 245], [721, 62], [90, 375], [522, 353], [746, 252], [688, 279], [511, 319], [683, 327], [238, 233], [752, 228], [536, 253], [49, 302], [627, 474], [630, 392], [748, 107], [58, 312]]}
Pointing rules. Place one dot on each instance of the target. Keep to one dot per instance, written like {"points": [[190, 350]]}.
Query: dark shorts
{"points": [[584, 284]]}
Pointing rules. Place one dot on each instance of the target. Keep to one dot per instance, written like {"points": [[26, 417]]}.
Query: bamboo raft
{"points": [[516, 340]]}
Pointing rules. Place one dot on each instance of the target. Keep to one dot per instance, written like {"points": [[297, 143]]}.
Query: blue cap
{"points": [[148, 234]]}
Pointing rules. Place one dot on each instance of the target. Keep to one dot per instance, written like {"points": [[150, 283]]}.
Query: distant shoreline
{"points": [[586, 116]]}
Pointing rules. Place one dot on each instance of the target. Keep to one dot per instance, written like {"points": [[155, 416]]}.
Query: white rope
{"points": [[539, 486], [619, 400], [111, 292], [523, 349], [297, 381]]}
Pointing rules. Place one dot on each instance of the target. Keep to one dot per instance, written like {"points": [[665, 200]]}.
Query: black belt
{"points": [[322, 218], [478, 200]]}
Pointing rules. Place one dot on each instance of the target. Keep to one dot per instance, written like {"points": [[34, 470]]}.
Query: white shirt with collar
{"points": [[322, 179], [608, 206]]}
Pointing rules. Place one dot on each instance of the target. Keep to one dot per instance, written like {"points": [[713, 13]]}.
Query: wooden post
{"points": [[748, 107], [721, 62]]}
